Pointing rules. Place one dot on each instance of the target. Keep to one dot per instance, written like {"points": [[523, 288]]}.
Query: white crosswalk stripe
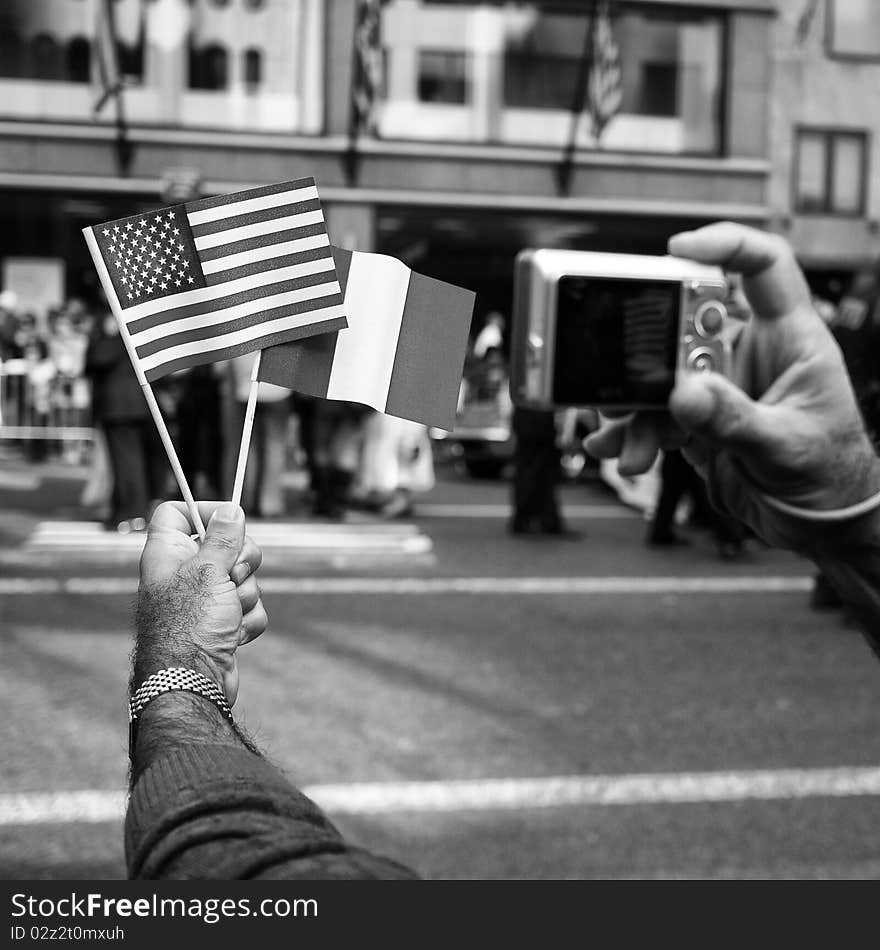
{"points": [[414, 586], [565, 791], [89, 539]]}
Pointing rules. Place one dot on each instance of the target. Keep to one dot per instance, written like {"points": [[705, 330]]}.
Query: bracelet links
{"points": [[171, 680]]}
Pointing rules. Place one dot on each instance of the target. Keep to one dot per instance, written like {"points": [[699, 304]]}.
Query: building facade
{"points": [[824, 190], [473, 118]]}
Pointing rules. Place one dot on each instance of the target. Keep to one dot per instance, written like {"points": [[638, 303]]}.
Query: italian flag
{"points": [[402, 352]]}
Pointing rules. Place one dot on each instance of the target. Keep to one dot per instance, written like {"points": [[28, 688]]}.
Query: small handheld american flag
{"points": [[219, 277]]}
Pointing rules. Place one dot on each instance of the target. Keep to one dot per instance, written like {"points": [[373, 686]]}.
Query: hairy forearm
{"points": [[163, 642]]}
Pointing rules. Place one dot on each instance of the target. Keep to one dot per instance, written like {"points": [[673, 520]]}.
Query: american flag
{"points": [[605, 84], [215, 278]]}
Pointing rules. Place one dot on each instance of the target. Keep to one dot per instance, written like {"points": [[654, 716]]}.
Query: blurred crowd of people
{"points": [[46, 359], [72, 369]]}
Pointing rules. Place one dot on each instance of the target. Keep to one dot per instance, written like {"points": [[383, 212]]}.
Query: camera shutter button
{"points": [[709, 318], [701, 361]]}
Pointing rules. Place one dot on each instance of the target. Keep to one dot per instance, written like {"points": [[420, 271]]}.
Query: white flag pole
{"points": [[176, 467], [147, 390], [244, 448]]}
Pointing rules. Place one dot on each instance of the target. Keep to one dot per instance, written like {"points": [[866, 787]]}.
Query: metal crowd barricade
{"points": [[38, 404]]}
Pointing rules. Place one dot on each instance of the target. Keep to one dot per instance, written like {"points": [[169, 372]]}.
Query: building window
{"points": [[830, 172], [853, 28], [443, 77], [47, 61], [79, 55], [11, 54], [253, 69], [131, 61], [208, 68], [535, 81]]}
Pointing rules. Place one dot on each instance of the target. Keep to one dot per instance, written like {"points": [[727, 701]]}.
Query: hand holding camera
{"points": [[785, 425]]}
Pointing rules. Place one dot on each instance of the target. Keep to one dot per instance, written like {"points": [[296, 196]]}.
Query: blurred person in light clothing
{"points": [[396, 462]]}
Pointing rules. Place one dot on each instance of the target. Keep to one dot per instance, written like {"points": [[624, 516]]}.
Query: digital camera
{"points": [[613, 330]]}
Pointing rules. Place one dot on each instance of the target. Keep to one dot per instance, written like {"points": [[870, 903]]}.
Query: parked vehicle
{"points": [[482, 438]]}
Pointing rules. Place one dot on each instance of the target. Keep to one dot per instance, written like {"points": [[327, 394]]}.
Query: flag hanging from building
{"points": [[403, 350], [805, 21], [218, 277], [366, 80], [107, 73], [605, 82]]}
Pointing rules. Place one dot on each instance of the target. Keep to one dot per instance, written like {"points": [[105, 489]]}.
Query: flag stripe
{"points": [[202, 204], [254, 217], [333, 320], [249, 205], [364, 354], [313, 236], [287, 223], [261, 312], [321, 252], [425, 378], [239, 337], [204, 295], [319, 285], [251, 244]]}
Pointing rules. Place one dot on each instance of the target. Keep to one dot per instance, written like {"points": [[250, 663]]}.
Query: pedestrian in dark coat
{"points": [[136, 455]]}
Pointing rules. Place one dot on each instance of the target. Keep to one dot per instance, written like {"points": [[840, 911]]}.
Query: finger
{"points": [[175, 516], [254, 623], [711, 407], [248, 562], [224, 537], [640, 445], [230, 682], [773, 281], [248, 594], [607, 442]]}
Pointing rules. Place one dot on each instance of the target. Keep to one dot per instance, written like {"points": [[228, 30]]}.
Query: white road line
{"points": [[26, 586], [20, 481], [566, 791], [594, 512]]}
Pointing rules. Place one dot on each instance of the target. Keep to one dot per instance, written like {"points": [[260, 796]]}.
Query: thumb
{"points": [[710, 406], [224, 538]]}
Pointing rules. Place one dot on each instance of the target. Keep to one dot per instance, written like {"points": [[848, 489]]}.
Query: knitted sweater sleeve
{"points": [[221, 812]]}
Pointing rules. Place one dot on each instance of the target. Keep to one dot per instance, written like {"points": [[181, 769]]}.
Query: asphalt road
{"points": [[672, 716]]}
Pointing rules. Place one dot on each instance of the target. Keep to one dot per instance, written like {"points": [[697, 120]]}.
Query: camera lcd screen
{"points": [[616, 341]]}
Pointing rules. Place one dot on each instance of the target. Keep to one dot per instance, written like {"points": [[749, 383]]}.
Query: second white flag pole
{"points": [[244, 449]]}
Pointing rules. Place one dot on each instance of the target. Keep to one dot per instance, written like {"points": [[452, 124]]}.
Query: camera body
{"points": [[613, 330]]}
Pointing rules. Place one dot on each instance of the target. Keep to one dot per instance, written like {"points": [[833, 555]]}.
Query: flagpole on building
{"points": [[111, 78], [566, 165], [244, 448]]}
